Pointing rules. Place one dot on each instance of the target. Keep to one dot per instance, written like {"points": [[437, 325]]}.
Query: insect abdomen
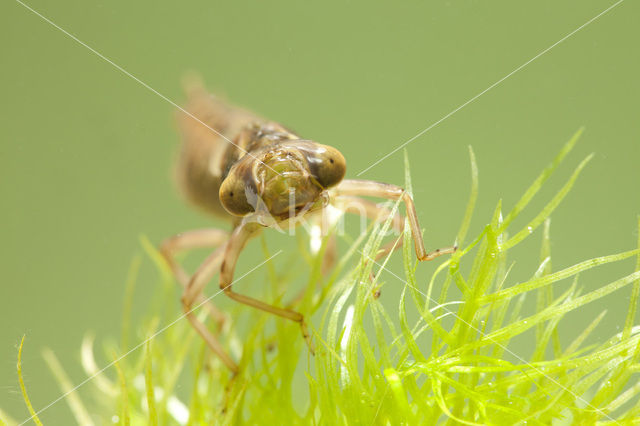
{"points": [[206, 129], [214, 137]]}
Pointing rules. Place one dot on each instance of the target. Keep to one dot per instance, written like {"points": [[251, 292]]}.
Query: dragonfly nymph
{"points": [[258, 174]]}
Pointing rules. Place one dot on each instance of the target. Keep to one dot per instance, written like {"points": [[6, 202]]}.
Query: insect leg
{"points": [[193, 292], [236, 243], [190, 240], [392, 192]]}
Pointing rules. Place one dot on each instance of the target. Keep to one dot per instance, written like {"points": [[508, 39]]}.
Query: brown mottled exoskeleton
{"points": [[258, 174]]}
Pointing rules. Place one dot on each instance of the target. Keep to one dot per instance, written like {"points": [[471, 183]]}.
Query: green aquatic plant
{"points": [[442, 355]]}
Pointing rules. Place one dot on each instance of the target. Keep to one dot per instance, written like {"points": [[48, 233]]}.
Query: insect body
{"points": [[259, 174]]}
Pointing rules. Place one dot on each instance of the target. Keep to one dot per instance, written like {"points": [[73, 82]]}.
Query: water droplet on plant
{"points": [[530, 229]]}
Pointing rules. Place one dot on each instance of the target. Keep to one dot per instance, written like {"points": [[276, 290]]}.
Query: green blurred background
{"points": [[86, 152]]}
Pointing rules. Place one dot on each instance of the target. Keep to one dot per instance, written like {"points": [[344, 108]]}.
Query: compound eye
{"points": [[328, 166], [233, 196]]}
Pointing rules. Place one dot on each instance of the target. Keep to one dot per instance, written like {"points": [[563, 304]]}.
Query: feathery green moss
{"points": [[433, 359]]}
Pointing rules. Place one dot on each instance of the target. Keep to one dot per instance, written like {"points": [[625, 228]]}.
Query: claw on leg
{"points": [[439, 252], [307, 337]]}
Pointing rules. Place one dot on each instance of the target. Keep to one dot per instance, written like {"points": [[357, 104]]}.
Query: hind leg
{"points": [[193, 293]]}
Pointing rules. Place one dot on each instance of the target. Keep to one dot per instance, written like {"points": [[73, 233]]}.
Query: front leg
{"points": [[236, 243], [392, 192]]}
